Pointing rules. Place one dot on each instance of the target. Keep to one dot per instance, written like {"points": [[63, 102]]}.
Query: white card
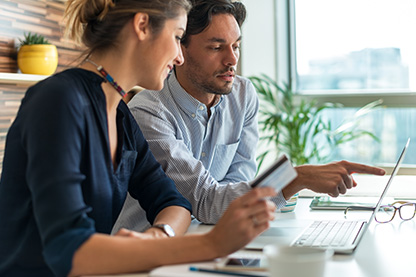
{"points": [[277, 176]]}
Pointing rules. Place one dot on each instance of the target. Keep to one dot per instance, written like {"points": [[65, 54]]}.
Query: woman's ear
{"points": [[141, 25]]}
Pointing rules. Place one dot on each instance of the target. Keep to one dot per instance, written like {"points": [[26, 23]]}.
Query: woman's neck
{"points": [[114, 84]]}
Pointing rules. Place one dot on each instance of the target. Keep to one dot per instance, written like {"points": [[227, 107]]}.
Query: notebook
{"points": [[341, 203], [344, 235], [291, 230]]}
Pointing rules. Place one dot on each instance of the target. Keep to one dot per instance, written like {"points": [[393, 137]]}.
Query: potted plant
{"points": [[36, 55], [299, 129]]}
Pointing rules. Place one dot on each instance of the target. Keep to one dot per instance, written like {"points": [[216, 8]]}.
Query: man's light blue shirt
{"points": [[210, 158]]}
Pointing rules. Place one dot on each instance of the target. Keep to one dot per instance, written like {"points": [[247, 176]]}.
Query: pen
{"points": [[214, 271]]}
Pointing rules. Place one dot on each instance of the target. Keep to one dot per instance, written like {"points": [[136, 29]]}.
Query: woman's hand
{"points": [[245, 219]]}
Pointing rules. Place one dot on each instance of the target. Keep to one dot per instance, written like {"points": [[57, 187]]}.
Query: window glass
{"points": [[361, 46], [392, 126], [355, 44]]}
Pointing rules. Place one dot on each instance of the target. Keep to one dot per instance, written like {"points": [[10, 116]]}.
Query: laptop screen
{"points": [[395, 170]]}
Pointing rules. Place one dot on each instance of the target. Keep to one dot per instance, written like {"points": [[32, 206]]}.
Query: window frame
{"points": [[286, 9], [286, 70]]}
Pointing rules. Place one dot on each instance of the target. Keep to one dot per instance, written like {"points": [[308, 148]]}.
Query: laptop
{"points": [[348, 232]]}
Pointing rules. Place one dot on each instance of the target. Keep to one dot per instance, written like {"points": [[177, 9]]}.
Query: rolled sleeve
{"points": [[54, 177], [157, 191]]}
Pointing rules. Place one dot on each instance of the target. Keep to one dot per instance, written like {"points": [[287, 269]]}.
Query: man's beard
{"points": [[212, 87]]}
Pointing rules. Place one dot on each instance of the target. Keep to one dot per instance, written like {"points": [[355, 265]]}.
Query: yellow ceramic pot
{"points": [[39, 59]]}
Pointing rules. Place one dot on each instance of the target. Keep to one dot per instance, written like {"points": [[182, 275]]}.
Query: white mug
{"points": [[296, 261]]}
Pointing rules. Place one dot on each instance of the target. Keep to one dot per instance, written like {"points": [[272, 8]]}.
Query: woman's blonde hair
{"points": [[97, 23]]}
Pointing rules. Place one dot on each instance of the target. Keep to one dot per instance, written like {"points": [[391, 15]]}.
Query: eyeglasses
{"points": [[386, 213]]}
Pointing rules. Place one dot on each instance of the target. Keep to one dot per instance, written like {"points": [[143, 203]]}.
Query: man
{"points": [[202, 127]]}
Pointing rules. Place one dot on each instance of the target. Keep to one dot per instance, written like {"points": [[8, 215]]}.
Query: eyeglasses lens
{"points": [[407, 211], [385, 214]]}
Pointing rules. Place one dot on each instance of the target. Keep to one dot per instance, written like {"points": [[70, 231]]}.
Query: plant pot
{"points": [[39, 59]]}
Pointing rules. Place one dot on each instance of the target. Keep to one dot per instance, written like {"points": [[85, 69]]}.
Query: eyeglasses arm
{"points": [[360, 208]]}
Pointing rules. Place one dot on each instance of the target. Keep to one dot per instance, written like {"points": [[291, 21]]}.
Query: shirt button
{"points": [[203, 154], [201, 108], [193, 115]]}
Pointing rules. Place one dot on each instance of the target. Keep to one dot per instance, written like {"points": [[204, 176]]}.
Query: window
{"points": [[356, 44], [353, 52]]}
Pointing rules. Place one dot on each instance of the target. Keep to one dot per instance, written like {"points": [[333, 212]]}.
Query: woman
{"points": [[74, 151]]}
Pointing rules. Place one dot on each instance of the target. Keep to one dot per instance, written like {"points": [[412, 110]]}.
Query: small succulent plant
{"points": [[30, 39]]}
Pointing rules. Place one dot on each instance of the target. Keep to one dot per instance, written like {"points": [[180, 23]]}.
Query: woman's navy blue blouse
{"points": [[58, 184]]}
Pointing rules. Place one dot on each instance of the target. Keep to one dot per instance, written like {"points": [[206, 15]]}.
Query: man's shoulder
{"points": [[243, 87], [147, 98], [150, 103], [242, 83], [242, 80]]}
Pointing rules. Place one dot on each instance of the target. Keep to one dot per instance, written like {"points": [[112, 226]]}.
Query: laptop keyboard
{"points": [[329, 233]]}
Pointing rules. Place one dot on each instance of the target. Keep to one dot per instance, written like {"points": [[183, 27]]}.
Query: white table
{"points": [[385, 250]]}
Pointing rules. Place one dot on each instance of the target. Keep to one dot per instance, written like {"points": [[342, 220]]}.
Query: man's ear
{"points": [[141, 25]]}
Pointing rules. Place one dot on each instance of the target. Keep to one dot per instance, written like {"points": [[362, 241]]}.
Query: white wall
{"points": [[258, 49]]}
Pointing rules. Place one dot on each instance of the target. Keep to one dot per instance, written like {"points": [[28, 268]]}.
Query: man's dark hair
{"points": [[202, 11]]}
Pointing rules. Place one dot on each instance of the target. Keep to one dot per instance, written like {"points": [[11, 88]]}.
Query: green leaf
{"points": [[31, 39], [298, 129]]}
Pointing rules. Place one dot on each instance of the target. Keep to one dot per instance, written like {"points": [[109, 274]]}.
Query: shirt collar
{"points": [[184, 99]]}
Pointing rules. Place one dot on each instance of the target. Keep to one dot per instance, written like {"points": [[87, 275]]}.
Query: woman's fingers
{"points": [[263, 210], [245, 218], [262, 217], [259, 210]]}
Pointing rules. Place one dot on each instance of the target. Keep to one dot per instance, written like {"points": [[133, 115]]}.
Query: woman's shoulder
{"points": [[68, 80], [70, 91], [67, 85]]}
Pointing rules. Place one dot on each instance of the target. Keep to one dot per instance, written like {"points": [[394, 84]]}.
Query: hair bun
{"points": [[94, 10]]}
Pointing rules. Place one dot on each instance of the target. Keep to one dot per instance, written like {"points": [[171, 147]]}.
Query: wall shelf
{"points": [[20, 79]]}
